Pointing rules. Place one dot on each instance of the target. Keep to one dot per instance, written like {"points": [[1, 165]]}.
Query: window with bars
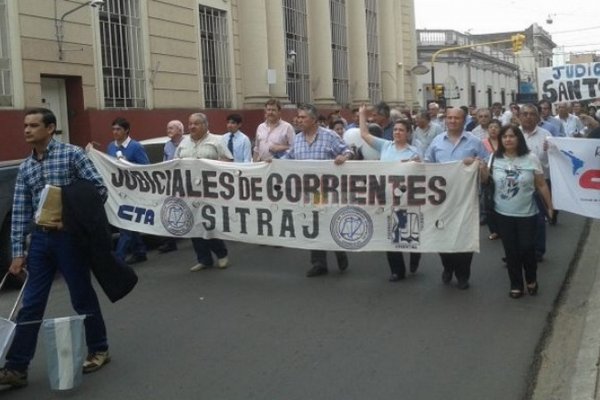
{"points": [[122, 55], [296, 46], [215, 58], [6, 98], [374, 80], [339, 50]]}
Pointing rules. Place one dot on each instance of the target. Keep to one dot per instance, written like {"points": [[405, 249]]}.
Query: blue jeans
{"points": [[203, 248], [130, 242], [49, 252]]}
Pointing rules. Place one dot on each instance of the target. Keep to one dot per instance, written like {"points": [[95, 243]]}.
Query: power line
{"points": [[576, 30]]}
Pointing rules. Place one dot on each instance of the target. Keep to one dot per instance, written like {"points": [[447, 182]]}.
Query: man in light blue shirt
{"points": [[236, 141], [454, 145]]}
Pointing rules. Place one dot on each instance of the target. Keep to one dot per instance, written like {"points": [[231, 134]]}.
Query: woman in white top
{"points": [[517, 174], [393, 150]]}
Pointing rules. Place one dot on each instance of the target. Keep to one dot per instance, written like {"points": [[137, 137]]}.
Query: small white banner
{"points": [[358, 206], [575, 174], [569, 82]]}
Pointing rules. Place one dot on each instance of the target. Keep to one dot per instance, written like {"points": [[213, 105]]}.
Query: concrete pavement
{"points": [[570, 353]]}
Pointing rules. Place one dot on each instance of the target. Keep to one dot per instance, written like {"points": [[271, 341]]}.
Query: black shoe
{"points": [[13, 378], [343, 264], [396, 277], [446, 277], [413, 268], [316, 271], [134, 259], [462, 285], [532, 289], [167, 248]]}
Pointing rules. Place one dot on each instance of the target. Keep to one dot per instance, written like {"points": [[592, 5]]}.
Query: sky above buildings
{"points": [[575, 26]]}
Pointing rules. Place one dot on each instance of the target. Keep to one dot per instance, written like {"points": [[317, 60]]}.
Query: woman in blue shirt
{"points": [[397, 149], [517, 174]]}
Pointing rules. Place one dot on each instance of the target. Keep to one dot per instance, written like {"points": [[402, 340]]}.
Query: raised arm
{"points": [[362, 124]]}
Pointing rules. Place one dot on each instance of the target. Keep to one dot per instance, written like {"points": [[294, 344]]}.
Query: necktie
{"points": [[230, 143]]}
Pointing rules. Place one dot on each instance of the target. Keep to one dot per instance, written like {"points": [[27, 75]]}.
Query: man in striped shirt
{"points": [[317, 143]]}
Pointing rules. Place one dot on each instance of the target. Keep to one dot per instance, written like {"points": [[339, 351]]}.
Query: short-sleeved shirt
{"points": [[514, 184], [210, 147], [281, 133], [388, 151], [326, 146], [443, 150]]}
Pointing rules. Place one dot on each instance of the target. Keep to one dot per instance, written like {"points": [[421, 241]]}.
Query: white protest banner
{"points": [[569, 82], [575, 174], [358, 206]]}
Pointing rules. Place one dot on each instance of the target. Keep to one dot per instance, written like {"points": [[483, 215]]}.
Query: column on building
{"points": [[319, 50], [408, 51], [275, 46], [357, 53], [253, 36], [388, 56]]}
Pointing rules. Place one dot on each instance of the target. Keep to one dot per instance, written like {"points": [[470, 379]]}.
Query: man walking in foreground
{"points": [[52, 248]]}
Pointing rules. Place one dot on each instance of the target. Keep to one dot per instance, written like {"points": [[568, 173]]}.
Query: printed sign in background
{"points": [[358, 206], [575, 173], [569, 82]]}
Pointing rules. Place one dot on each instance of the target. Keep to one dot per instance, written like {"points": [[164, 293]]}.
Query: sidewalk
{"points": [[584, 384], [568, 361]]}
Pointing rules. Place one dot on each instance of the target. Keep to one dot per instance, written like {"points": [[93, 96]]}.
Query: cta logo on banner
{"points": [[357, 206], [575, 174]]}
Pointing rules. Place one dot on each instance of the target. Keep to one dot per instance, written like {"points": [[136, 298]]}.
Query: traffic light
{"points": [[439, 91], [517, 42]]}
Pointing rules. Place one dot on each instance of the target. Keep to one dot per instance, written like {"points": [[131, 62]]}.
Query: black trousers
{"points": [[396, 261], [459, 264], [318, 258], [518, 238]]}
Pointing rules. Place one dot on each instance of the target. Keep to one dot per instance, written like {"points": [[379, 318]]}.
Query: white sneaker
{"points": [[198, 267], [223, 262]]}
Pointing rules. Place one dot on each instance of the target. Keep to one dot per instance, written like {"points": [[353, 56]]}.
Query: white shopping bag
{"points": [[7, 331], [7, 325], [65, 351]]}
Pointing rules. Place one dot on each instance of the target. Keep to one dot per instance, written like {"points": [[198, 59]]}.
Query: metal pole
{"points": [[433, 93]]}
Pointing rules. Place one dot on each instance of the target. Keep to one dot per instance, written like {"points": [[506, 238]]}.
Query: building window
{"points": [[474, 95], [489, 97], [122, 61], [374, 80], [6, 98], [339, 50], [296, 46], [215, 58], [503, 96]]}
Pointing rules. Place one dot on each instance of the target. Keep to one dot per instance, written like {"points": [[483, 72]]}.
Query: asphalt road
{"points": [[261, 330]]}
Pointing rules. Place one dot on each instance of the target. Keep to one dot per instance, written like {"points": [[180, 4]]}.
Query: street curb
{"points": [[584, 384]]}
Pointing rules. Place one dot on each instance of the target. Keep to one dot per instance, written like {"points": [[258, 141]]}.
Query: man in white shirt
{"points": [[572, 125], [537, 142], [200, 143], [484, 117], [236, 141]]}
